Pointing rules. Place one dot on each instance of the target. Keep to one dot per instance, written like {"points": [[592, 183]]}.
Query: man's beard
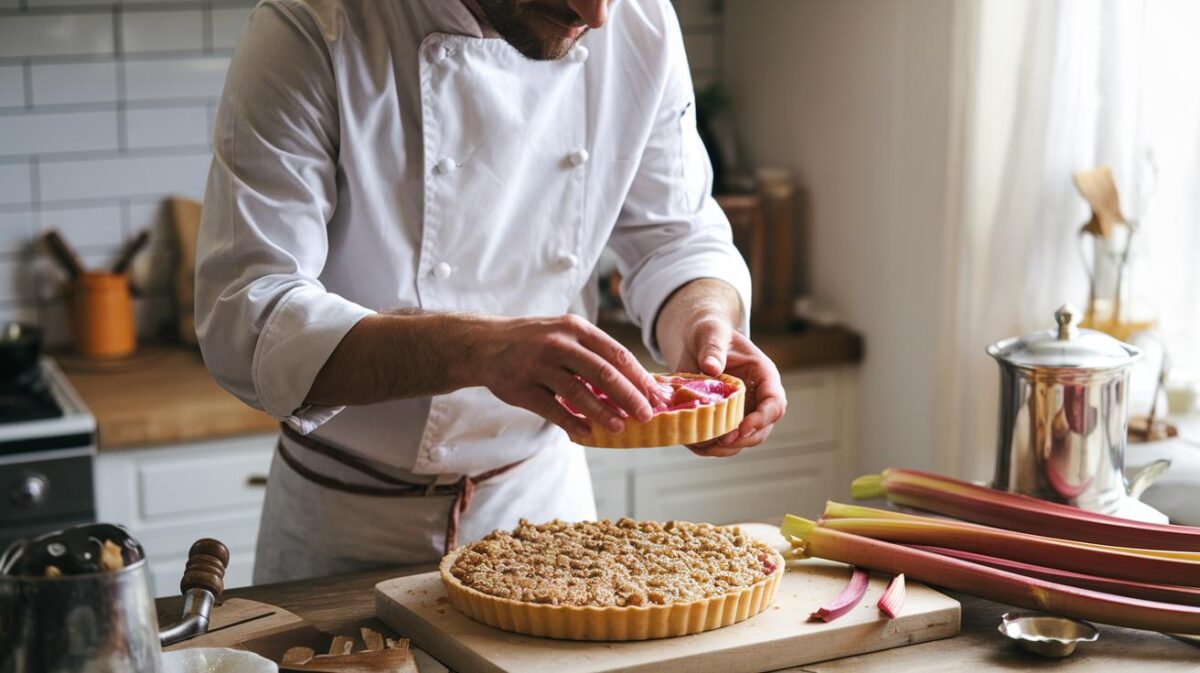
{"points": [[511, 23]]}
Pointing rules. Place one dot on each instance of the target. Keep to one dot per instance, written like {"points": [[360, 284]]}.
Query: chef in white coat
{"points": [[406, 205]]}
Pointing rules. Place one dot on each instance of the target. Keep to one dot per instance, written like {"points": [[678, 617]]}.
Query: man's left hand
{"points": [[713, 348]]}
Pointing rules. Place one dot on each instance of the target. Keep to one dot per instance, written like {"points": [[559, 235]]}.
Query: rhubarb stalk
{"points": [[837, 510], [998, 585], [893, 597], [979, 504], [850, 596], [1035, 549], [1166, 593]]}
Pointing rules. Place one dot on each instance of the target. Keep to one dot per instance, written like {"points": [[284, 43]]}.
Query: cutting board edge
{"points": [[462, 659]]}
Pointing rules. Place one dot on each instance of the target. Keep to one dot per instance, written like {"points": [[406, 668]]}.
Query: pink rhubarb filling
{"points": [[679, 393]]}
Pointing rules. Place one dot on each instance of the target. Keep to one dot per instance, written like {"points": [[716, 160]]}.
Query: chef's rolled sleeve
{"points": [[670, 230], [265, 323]]}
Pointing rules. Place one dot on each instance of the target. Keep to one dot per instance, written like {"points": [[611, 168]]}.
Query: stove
{"points": [[47, 446]]}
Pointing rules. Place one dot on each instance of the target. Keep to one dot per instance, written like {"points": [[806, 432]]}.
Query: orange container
{"points": [[102, 315]]}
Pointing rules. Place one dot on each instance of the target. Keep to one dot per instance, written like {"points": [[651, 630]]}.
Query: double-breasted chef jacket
{"points": [[372, 155]]}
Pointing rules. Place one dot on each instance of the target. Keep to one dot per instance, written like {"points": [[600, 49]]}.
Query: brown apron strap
{"points": [[463, 490]]}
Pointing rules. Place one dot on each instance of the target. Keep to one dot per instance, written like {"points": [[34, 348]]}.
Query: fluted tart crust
{"points": [[698, 408], [602, 580]]}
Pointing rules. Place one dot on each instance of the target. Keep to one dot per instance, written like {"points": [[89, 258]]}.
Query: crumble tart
{"points": [[698, 408], [603, 580]]}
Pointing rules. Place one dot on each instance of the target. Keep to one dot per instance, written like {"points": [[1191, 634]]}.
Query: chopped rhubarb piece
{"points": [[893, 597], [850, 596]]}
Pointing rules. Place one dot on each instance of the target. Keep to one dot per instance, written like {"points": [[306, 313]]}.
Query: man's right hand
{"points": [[530, 362]]}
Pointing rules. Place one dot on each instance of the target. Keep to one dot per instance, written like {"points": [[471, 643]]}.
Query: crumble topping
{"points": [[607, 564]]}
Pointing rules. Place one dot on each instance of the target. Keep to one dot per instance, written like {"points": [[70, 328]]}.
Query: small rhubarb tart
{"points": [[613, 580], [697, 408]]}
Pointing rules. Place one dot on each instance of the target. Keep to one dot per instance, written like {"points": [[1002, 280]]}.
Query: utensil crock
{"points": [[1064, 414]]}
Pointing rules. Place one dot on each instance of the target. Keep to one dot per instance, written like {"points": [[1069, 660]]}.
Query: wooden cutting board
{"points": [[416, 607]]}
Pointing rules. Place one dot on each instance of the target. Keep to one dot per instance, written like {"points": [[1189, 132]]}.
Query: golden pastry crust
{"points": [[679, 426], [624, 580]]}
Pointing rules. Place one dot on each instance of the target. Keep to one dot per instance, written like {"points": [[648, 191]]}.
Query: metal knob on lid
{"points": [[1065, 317]]}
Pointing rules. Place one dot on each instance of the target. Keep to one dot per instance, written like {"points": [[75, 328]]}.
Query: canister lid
{"points": [[1066, 346]]}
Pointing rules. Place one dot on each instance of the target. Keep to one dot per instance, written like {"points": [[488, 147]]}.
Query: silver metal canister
{"points": [[1063, 415]]}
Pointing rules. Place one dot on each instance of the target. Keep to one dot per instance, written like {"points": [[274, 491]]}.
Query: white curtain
{"points": [[1052, 87]]}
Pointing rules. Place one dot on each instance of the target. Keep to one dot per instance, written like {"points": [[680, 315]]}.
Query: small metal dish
{"points": [[1047, 635]]}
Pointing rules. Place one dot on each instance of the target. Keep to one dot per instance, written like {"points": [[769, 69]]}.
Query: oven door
{"points": [[43, 493]]}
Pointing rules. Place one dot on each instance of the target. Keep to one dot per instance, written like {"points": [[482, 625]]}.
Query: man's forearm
{"points": [[699, 300], [394, 356]]}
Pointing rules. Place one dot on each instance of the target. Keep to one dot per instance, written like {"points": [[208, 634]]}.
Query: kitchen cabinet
{"points": [[806, 461], [169, 496]]}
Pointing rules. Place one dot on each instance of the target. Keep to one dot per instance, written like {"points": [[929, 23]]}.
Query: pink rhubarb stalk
{"points": [[963, 500], [997, 585], [1165, 593], [850, 596], [1035, 549], [893, 597]]}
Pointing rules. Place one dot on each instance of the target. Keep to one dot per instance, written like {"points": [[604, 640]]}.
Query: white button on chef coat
{"points": [[327, 201], [578, 157], [438, 453]]}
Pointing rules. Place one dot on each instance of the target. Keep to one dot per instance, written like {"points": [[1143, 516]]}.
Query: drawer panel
{"points": [[812, 406], [612, 494], [730, 491], [201, 483]]}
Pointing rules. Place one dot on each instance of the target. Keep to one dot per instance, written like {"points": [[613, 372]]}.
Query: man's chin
{"points": [[546, 50]]}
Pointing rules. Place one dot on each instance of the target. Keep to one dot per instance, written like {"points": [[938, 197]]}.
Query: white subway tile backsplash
{"points": [[56, 34], [124, 176], [12, 86], [175, 78], [16, 183], [166, 127], [86, 228], [36, 133], [227, 23], [16, 231], [143, 31], [55, 83]]}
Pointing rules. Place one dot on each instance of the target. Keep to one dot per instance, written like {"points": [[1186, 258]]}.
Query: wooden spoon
{"points": [[1097, 186]]}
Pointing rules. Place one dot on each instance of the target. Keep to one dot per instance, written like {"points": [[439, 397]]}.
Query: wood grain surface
{"points": [[160, 395]]}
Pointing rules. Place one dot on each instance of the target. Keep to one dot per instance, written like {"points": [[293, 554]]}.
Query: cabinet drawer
{"points": [[175, 487], [733, 490], [611, 489], [812, 408]]}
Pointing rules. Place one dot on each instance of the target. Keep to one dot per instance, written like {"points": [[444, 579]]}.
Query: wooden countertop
{"points": [[161, 395], [164, 394], [339, 605]]}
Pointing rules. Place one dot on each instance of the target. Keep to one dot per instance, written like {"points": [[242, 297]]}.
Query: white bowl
{"points": [[216, 660]]}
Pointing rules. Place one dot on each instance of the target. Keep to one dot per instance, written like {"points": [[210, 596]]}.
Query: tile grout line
{"points": [[27, 83]]}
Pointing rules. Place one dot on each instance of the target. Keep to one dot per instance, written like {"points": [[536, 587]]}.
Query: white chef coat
{"points": [[372, 155]]}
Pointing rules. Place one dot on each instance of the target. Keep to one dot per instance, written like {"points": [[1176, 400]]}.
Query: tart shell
{"points": [[682, 426], [572, 622]]}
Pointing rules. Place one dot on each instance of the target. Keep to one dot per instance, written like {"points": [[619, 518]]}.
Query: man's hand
{"points": [[695, 332], [526, 362], [529, 362]]}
